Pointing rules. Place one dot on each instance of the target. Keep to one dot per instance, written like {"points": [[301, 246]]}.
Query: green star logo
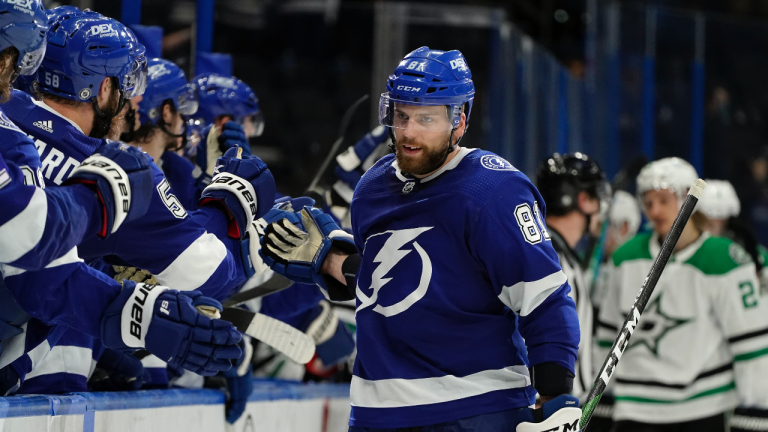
{"points": [[654, 325]]}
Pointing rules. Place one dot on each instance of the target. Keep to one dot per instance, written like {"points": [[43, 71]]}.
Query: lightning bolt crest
{"points": [[388, 257]]}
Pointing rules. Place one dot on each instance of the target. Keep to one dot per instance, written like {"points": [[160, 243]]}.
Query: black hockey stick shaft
{"points": [[630, 323], [275, 284], [336, 144]]}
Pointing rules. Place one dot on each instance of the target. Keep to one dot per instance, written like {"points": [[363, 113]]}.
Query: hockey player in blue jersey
{"points": [[167, 101], [63, 80], [463, 311], [22, 42]]}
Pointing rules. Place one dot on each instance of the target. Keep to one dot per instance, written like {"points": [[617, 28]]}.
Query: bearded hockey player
{"points": [[575, 190], [21, 49], [701, 348], [463, 311]]}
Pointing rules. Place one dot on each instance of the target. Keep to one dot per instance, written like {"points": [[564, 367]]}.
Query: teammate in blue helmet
{"points": [[168, 99], [25, 53], [463, 312], [222, 97], [109, 69]]}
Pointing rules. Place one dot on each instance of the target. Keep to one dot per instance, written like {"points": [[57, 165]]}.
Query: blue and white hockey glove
{"points": [[333, 339], [354, 161], [233, 135], [253, 264], [244, 188], [118, 371], [168, 324], [122, 179], [560, 414], [295, 245], [239, 383]]}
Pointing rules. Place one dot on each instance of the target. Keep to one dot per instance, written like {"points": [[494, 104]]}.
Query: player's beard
{"points": [[117, 120], [427, 161]]}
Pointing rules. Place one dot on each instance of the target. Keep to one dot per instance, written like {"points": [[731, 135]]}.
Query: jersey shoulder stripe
{"points": [[718, 256], [634, 249]]}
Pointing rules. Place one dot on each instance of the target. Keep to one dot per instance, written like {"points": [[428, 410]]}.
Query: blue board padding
{"points": [[88, 403]]}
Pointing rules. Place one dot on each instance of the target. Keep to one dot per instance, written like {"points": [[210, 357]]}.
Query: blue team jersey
{"points": [[458, 293], [182, 175], [167, 241]]}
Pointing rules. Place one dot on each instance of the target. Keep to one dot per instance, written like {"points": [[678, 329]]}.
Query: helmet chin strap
{"points": [[163, 127]]}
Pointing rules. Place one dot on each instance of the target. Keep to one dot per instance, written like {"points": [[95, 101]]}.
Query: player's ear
{"points": [[167, 113], [105, 90], [462, 127]]}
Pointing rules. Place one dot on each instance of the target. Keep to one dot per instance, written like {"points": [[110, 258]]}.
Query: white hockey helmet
{"points": [[625, 209], [672, 173], [719, 200]]}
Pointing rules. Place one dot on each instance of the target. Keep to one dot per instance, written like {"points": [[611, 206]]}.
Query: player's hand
{"points": [[352, 163], [243, 188], [239, 383], [167, 324], [295, 245], [253, 264], [233, 135], [561, 413], [122, 179], [117, 371]]}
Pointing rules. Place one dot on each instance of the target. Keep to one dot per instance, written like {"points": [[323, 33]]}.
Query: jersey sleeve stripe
{"points": [[68, 258], [24, 231], [64, 359], [400, 392], [195, 265], [524, 297]]}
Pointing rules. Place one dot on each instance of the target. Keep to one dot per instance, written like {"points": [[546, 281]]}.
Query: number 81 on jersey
{"points": [[532, 226]]}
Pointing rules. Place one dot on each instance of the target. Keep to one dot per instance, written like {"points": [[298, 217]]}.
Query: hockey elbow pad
{"points": [[297, 244], [243, 188], [122, 179]]}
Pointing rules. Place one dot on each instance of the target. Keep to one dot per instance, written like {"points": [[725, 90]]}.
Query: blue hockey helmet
{"points": [[166, 81], [59, 11], [85, 48], [228, 96], [23, 25], [428, 77]]}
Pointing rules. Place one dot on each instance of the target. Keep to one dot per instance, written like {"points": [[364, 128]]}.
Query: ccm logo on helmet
{"points": [[409, 88], [22, 5], [103, 30]]}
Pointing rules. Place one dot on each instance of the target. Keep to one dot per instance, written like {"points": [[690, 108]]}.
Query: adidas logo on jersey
{"points": [[44, 125]]}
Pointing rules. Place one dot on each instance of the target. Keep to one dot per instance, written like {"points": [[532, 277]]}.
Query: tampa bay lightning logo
{"points": [[496, 163], [391, 247]]}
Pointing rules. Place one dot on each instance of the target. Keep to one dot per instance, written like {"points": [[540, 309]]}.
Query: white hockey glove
{"points": [[561, 414]]}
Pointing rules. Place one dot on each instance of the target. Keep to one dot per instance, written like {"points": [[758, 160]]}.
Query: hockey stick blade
{"points": [[630, 323], [295, 344], [336, 144], [275, 284]]}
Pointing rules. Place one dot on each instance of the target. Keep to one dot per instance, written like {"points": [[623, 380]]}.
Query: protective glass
{"points": [[604, 195], [135, 82], [253, 124], [194, 135], [423, 117], [186, 103]]}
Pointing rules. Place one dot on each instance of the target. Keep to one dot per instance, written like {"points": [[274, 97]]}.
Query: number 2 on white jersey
{"points": [[530, 223]]}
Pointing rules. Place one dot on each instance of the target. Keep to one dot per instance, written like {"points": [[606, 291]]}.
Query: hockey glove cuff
{"points": [[122, 179], [244, 188]]}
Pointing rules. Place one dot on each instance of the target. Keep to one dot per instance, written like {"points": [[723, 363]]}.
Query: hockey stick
{"points": [[630, 323], [295, 344], [336, 144], [275, 284]]}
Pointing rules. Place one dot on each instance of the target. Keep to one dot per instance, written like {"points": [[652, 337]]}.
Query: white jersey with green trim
{"points": [[701, 346]]}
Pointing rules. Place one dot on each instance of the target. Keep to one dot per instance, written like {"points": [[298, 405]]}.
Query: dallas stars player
{"points": [[701, 348]]}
